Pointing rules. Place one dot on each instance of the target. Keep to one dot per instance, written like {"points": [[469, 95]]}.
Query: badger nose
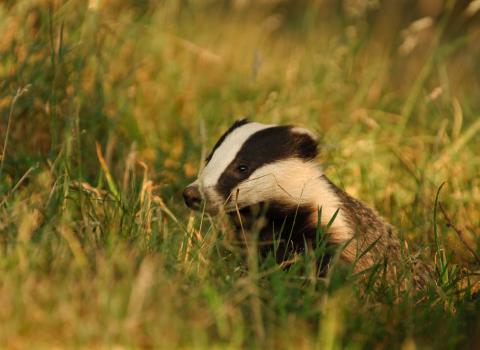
{"points": [[192, 197]]}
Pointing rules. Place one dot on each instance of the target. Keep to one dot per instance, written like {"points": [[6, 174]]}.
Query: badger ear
{"points": [[306, 141], [303, 131]]}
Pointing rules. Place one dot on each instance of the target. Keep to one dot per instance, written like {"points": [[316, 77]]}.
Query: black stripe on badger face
{"points": [[265, 147], [222, 138]]}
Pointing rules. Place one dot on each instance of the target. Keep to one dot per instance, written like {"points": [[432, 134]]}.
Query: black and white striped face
{"points": [[255, 163]]}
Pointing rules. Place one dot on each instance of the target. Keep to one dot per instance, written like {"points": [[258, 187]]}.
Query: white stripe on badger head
{"points": [[296, 182], [289, 181], [227, 151]]}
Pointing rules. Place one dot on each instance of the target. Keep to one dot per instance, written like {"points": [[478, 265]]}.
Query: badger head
{"points": [[255, 163]]}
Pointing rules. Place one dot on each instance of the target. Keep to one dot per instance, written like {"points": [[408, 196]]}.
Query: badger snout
{"points": [[192, 196]]}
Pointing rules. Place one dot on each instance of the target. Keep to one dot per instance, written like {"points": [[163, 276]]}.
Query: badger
{"points": [[266, 178]]}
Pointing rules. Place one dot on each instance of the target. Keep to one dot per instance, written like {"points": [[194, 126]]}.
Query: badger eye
{"points": [[242, 168]]}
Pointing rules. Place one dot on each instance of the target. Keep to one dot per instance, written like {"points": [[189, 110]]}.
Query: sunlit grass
{"points": [[107, 109]]}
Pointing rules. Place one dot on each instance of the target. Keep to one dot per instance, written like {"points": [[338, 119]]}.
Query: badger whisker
{"points": [[277, 183]]}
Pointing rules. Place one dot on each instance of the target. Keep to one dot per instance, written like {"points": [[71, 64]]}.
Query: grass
{"points": [[108, 109]]}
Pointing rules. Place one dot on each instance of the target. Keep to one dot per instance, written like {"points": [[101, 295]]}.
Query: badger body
{"points": [[266, 178]]}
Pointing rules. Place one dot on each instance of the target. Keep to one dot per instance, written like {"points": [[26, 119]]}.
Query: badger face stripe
{"points": [[235, 125], [226, 151], [265, 146]]}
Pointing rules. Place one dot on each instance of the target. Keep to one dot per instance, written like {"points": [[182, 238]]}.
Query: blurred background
{"points": [[392, 80], [121, 99], [142, 70]]}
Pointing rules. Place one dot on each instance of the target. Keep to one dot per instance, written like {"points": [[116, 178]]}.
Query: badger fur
{"points": [[266, 177]]}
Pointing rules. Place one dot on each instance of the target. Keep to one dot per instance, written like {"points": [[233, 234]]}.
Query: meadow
{"points": [[108, 109]]}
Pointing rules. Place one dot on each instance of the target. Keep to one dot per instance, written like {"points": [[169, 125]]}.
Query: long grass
{"points": [[107, 110]]}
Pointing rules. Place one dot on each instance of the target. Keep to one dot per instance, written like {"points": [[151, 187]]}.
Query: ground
{"points": [[108, 108]]}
